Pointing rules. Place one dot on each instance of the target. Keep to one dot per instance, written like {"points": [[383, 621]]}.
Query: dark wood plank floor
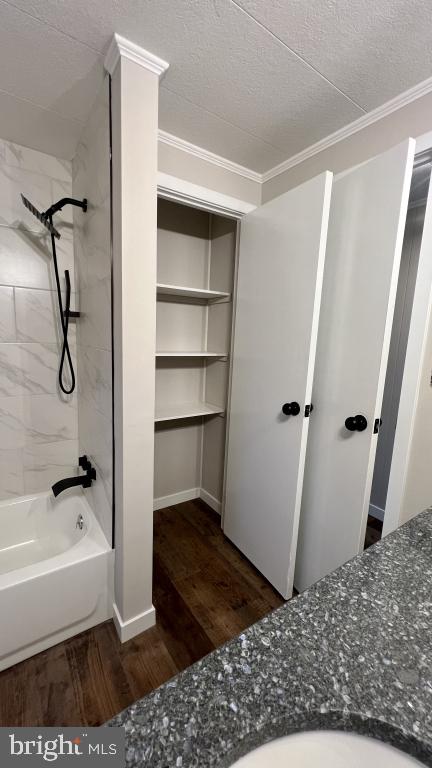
{"points": [[205, 593]]}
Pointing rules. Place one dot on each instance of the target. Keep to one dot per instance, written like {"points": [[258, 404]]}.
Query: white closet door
{"points": [[366, 227], [281, 262]]}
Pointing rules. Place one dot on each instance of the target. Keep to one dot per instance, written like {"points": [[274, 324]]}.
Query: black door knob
{"points": [[356, 423], [291, 409]]}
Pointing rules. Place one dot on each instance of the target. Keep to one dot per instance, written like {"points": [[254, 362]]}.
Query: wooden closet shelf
{"points": [[164, 289], [186, 411]]}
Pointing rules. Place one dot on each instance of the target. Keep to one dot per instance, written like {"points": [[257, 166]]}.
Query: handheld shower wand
{"points": [[46, 218]]}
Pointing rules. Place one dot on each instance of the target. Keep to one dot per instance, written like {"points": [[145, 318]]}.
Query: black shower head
{"points": [[42, 217]]}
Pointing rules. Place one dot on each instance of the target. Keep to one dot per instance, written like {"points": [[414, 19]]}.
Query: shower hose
{"points": [[64, 320]]}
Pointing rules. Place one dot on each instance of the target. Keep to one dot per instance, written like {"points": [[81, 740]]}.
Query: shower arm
{"points": [[66, 201]]}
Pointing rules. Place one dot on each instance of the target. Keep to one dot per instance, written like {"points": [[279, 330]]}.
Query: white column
{"points": [[135, 88]]}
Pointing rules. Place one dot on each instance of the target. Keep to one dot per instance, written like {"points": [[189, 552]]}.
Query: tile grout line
{"points": [[32, 288]]}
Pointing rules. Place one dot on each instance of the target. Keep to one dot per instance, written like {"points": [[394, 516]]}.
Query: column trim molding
{"points": [[121, 47]]}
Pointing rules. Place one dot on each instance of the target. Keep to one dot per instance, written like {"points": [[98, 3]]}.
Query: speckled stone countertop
{"points": [[354, 652]]}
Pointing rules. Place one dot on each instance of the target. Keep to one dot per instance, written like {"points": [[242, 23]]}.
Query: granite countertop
{"points": [[354, 652]]}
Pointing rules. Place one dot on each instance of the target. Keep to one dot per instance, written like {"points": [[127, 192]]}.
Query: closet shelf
{"points": [[164, 289], [179, 353], [186, 411]]}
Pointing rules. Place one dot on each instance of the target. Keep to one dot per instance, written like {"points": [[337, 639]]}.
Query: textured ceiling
{"points": [[255, 80]]}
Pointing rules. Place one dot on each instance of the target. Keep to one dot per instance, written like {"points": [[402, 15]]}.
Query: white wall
{"points": [[196, 170], [91, 179], [38, 424], [414, 119], [418, 485], [406, 469], [397, 352]]}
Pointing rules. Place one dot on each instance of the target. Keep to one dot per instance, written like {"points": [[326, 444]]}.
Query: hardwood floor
{"points": [[205, 593]]}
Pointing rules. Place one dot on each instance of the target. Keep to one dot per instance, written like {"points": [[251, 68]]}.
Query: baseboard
{"points": [[210, 500], [176, 498], [134, 626], [376, 512], [191, 493]]}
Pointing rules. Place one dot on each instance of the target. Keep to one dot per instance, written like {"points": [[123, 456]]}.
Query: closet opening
{"points": [[398, 343], [205, 591]]}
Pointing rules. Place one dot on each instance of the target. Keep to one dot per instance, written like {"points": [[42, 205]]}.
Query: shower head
{"points": [[42, 217], [46, 218]]}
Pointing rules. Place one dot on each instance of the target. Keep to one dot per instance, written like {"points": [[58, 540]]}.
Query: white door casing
{"points": [[280, 273], [366, 227]]}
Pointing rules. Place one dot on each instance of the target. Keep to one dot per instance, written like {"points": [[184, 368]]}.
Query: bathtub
{"points": [[55, 572]]}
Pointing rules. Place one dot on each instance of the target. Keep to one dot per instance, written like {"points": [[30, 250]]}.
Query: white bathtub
{"points": [[55, 577]]}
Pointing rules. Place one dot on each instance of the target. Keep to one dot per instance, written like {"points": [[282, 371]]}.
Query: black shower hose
{"points": [[64, 319]]}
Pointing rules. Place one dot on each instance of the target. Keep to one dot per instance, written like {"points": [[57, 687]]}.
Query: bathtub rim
{"points": [[91, 544]]}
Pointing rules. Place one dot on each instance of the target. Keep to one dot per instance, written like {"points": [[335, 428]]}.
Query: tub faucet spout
{"points": [[84, 480]]}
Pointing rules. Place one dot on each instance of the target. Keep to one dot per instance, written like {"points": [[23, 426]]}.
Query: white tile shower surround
{"points": [[91, 177], [30, 368], [35, 468], [25, 258], [38, 426], [34, 419], [7, 314], [36, 316]]}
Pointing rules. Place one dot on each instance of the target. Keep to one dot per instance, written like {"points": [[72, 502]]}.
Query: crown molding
{"points": [[209, 157], [405, 98], [121, 47]]}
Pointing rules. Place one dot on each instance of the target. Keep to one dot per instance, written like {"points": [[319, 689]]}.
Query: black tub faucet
{"points": [[84, 480]]}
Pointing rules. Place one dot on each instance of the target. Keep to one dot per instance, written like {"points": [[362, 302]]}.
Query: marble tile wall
{"points": [[38, 425], [92, 242]]}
